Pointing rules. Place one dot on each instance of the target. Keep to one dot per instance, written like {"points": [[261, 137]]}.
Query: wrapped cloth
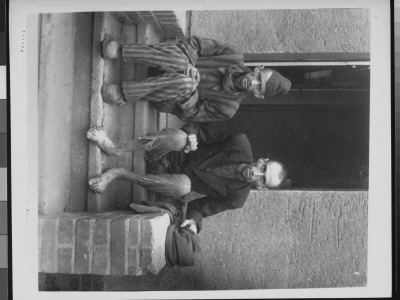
{"points": [[181, 243], [181, 246]]}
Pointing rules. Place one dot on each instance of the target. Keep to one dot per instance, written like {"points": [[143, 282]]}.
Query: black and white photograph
{"points": [[215, 150]]}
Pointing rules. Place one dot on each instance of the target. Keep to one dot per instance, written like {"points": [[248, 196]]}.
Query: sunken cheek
{"points": [[258, 182], [258, 179]]}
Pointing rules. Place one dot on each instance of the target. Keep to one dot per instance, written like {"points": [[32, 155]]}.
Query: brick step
{"points": [[107, 243]]}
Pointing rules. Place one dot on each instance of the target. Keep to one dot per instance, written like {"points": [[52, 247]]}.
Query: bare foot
{"points": [[112, 93], [111, 48], [99, 183], [98, 136]]}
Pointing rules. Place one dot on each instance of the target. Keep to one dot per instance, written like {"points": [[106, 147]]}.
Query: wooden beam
{"points": [[307, 57]]}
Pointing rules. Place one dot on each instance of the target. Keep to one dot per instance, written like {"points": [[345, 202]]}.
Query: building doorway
{"points": [[319, 130]]}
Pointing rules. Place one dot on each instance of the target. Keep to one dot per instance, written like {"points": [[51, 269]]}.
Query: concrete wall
{"points": [[55, 95], [289, 239], [279, 239], [64, 93], [287, 31]]}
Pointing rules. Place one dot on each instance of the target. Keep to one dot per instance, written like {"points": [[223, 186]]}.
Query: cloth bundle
{"points": [[181, 243]]}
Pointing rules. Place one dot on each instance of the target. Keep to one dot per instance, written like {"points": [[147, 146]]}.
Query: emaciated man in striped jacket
{"points": [[204, 80]]}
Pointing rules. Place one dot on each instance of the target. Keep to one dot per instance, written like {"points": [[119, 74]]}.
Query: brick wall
{"points": [[110, 243], [71, 282]]}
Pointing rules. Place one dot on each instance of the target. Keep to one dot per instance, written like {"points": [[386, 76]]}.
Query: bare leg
{"points": [[98, 136], [99, 183], [175, 185]]}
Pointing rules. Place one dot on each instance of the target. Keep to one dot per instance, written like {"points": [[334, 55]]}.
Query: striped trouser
{"points": [[171, 86], [168, 87], [167, 185], [167, 56], [158, 179]]}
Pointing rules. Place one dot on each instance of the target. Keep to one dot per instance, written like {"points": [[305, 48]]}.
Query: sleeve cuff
{"points": [[190, 128], [197, 218]]}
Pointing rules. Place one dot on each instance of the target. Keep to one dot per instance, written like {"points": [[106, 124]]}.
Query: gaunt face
{"points": [[254, 82], [263, 173]]}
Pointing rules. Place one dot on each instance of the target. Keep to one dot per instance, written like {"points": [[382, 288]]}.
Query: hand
{"points": [[191, 224], [192, 72], [191, 144]]}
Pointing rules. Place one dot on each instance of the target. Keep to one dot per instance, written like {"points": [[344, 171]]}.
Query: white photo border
{"points": [[24, 163]]}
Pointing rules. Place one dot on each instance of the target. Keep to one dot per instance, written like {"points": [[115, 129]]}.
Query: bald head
{"points": [[264, 173]]}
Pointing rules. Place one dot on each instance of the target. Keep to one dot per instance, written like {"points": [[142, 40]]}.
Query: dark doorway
{"points": [[319, 130]]}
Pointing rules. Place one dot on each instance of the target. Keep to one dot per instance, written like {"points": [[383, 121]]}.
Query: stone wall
{"points": [[287, 31]]}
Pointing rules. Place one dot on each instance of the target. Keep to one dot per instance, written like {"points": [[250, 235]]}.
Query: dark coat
{"points": [[214, 149]]}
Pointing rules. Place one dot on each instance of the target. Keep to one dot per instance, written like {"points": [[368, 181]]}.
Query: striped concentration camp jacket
{"points": [[213, 100]]}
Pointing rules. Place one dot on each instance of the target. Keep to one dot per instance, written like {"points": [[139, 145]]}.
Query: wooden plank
{"points": [[145, 114], [397, 29], [126, 124], [162, 120], [96, 108], [80, 112], [300, 98], [135, 17], [249, 57], [56, 79], [103, 114], [122, 17], [111, 74], [174, 122]]}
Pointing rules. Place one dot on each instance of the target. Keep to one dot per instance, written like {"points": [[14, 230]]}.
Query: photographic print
{"points": [[203, 148]]}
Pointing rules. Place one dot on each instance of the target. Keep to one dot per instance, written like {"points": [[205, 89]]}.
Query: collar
{"points": [[227, 82]]}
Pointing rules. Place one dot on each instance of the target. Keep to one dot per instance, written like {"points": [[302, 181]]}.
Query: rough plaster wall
{"points": [[63, 108], [287, 31], [55, 100], [288, 239], [279, 239]]}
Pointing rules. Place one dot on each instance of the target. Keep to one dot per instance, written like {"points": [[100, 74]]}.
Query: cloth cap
{"points": [[277, 85]]}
